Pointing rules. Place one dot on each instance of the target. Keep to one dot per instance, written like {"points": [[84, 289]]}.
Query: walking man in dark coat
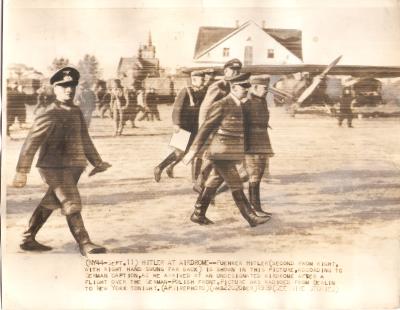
{"points": [[215, 92], [65, 147], [185, 115], [223, 129], [257, 145]]}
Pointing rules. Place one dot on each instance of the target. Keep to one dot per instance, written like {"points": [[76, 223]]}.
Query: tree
{"points": [[89, 69], [58, 63]]}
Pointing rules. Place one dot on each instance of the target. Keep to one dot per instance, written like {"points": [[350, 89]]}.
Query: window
{"points": [[225, 52], [271, 53]]}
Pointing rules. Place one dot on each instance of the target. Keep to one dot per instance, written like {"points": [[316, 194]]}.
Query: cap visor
{"points": [[67, 83]]}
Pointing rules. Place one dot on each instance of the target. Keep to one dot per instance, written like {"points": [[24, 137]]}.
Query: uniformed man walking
{"points": [[215, 92], [65, 146], [185, 115], [119, 104], [223, 126], [86, 100], [257, 145]]}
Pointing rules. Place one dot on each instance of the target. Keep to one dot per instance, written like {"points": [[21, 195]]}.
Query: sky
{"points": [[364, 32]]}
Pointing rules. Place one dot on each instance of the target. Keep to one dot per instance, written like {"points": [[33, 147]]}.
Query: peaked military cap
{"points": [[197, 73], [241, 79], [209, 71], [233, 63], [65, 76], [259, 80]]}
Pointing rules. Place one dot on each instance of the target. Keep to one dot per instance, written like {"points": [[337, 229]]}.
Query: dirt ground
{"points": [[331, 189]]}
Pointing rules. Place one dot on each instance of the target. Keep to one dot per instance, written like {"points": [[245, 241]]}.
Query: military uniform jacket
{"points": [[222, 131], [255, 119], [119, 102], [185, 113], [215, 92], [61, 133]]}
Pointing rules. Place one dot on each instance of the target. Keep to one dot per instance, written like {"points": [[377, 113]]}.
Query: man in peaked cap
{"points": [[222, 132], [185, 115], [257, 145], [65, 147], [215, 92]]}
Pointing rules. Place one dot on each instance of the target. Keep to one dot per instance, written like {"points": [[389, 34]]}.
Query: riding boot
{"points": [[245, 209], [39, 217], [78, 230], [200, 208], [166, 162], [254, 197]]}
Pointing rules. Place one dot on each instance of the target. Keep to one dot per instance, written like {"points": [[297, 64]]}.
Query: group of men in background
{"points": [[228, 128], [122, 104]]}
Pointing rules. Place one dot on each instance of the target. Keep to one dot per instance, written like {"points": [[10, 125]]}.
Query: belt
{"points": [[230, 133]]}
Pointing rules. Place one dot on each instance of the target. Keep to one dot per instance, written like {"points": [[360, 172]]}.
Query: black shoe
{"points": [[91, 248]]}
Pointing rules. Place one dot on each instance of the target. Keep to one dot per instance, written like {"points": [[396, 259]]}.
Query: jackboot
{"points": [[254, 197], [200, 208], [245, 209], [166, 162], [39, 217], [78, 230], [170, 171]]}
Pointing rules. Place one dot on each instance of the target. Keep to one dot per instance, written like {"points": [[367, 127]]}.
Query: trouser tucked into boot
{"points": [[200, 208], [39, 217], [254, 197], [245, 209], [78, 230]]}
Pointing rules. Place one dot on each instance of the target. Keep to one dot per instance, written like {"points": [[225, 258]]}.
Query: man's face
{"points": [[197, 81], [230, 72], [259, 90], [65, 93], [239, 91]]}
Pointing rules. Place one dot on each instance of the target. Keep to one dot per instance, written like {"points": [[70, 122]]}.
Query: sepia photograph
{"points": [[200, 154]]}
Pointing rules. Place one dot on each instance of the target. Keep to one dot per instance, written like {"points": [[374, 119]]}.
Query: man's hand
{"points": [[19, 180], [176, 128], [188, 157], [102, 167]]}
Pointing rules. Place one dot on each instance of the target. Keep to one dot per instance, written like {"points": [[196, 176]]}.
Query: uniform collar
{"points": [[237, 100], [63, 105]]}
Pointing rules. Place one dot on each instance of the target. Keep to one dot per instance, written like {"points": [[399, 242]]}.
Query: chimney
{"points": [[237, 23], [263, 24]]}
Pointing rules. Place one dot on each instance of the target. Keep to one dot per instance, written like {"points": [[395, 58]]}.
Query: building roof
{"points": [[208, 36], [147, 64]]}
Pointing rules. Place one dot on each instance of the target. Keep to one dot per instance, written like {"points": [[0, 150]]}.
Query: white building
{"points": [[252, 44]]}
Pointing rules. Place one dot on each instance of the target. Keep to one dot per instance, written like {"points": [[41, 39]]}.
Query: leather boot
{"points": [[170, 171], [245, 209], [39, 217], [254, 197], [200, 208], [78, 230], [166, 162]]}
